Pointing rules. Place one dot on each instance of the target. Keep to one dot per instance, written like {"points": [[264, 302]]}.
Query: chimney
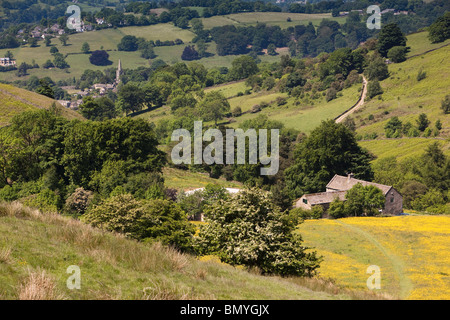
{"points": [[349, 177]]}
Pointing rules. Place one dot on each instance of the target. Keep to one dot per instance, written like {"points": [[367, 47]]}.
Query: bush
{"points": [[78, 202], [248, 229], [398, 54], [331, 94], [374, 89], [315, 213], [445, 104], [421, 75], [149, 220], [281, 101], [236, 112]]}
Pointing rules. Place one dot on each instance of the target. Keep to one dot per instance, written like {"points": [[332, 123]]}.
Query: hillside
{"points": [[406, 97], [15, 100], [113, 267]]}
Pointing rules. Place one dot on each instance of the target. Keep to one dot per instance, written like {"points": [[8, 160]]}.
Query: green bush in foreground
{"points": [[148, 220], [247, 229]]}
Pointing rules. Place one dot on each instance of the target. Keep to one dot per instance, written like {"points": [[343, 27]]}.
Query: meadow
{"points": [[411, 251], [270, 18]]}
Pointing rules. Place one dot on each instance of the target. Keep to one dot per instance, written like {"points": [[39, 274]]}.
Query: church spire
{"points": [[119, 72]]}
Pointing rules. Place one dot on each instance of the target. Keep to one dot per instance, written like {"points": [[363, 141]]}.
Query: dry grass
{"points": [[38, 286], [329, 286], [5, 254], [114, 267]]}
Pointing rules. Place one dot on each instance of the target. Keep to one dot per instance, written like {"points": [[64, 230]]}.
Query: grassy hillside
{"points": [[15, 100], [112, 267], [406, 97], [411, 252], [184, 180], [402, 148]]}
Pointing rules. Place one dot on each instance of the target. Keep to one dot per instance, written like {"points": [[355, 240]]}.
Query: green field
{"points": [[112, 267], [302, 117], [272, 18], [420, 43], [402, 148], [107, 39], [186, 180]]}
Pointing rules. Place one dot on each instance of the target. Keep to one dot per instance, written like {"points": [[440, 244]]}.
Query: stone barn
{"points": [[338, 187]]}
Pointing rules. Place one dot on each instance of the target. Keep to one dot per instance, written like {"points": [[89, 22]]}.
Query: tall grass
{"points": [[40, 246]]}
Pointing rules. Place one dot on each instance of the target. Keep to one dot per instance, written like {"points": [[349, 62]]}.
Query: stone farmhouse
{"points": [[338, 187]]}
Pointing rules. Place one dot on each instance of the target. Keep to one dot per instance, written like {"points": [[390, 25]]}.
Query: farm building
{"points": [[338, 187]]}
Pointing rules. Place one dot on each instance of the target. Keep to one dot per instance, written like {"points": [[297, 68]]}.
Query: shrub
{"points": [[149, 220], [421, 75], [331, 94], [281, 101], [256, 108], [78, 202], [248, 229], [398, 54], [236, 112], [374, 89], [445, 104]]}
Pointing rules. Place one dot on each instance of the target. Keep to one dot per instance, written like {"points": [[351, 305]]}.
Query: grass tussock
{"points": [[5, 254], [38, 286]]}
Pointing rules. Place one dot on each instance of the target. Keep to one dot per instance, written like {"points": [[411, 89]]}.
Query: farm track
{"points": [[358, 104], [398, 266]]}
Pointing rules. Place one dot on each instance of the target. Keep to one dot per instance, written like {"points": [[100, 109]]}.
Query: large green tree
{"points": [[330, 149], [248, 229], [213, 107], [390, 36]]}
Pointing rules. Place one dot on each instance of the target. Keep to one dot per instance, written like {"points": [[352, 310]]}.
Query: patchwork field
{"points": [[411, 251]]}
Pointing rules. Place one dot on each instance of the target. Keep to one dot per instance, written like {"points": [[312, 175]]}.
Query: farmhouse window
{"points": [[305, 201]]}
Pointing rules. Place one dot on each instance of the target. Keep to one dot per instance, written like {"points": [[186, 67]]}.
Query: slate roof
{"points": [[341, 183], [324, 197]]}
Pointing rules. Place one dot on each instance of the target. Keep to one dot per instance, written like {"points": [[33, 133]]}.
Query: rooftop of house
{"points": [[324, 197], [342, 183]]}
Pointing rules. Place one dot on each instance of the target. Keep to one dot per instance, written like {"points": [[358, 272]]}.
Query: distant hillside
{"points": [[112, 267], [15, 100], [406, 97]]}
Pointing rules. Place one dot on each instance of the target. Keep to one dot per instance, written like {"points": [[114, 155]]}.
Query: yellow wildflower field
{"points": [[413, 253]]}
